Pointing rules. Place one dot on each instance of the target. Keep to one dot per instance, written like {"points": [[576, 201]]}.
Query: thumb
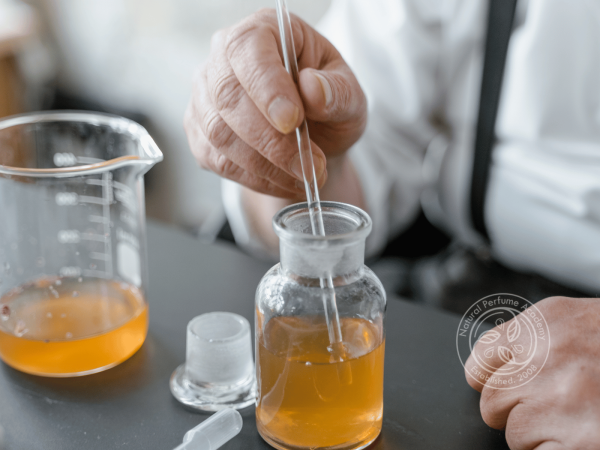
{"points": [[332, 95]]}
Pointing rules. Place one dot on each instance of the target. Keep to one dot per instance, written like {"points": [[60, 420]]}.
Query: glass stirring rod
{"points": [[310, 182], [306, 157]]}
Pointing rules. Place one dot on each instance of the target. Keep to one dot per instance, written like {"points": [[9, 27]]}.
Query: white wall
{"points": [[141, 55]]}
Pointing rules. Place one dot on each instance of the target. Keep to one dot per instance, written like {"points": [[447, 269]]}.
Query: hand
{"points": [[245, 106], [560, 407]]}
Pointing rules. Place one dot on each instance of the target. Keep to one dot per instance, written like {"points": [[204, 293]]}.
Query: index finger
{"points": [[253, 51]]}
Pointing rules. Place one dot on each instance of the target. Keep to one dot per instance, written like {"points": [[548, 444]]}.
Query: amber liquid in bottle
{"points": [[307, 399], [67, 327]]}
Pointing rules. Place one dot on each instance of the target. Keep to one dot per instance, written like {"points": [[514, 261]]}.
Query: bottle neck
{"points": [[321, 259], [339, 253]]}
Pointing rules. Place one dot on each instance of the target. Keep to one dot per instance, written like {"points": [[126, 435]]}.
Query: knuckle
{"points": [[224, 167], [269, 171], [235, 36], [218, 132], [226, 91], [217, 163], [519, 429], [553, 301], [270, 143], [575, 386], [238, 35], [516, 435], [253, 75], [489, 412], [489, 396], [255, 79], [342, 93], [556, 309], [221, 164]]}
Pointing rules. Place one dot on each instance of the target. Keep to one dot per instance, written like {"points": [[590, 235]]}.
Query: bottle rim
{"points": [[358, 216], [149, 152]]}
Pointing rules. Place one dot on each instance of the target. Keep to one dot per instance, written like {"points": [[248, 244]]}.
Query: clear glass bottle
{"points": [[72, 241], [310, 394]]}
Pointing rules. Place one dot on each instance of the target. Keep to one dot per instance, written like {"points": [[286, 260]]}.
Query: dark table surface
{"points": [[428, 404]]}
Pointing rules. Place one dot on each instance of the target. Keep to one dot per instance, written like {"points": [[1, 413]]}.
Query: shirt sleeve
{"points": [[243, 232], [392, 46]]}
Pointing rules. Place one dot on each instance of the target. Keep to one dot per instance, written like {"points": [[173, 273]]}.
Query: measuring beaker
{"points": [[72, 241], [313, 393]]}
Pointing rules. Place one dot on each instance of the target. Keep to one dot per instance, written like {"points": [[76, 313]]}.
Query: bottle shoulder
{"points": [[282, 293], [364, 276]]}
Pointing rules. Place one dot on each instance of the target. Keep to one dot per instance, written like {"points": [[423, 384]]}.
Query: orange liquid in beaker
{"points": [[66, 327], [306, 398]]}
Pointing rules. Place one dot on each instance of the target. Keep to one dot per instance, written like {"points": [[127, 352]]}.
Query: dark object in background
{"points": [[457, 277], [423, 265], [501, 15], [420, 239], [428, 269], [11, 86], [63, 101], [394, 265], [225, 234]]}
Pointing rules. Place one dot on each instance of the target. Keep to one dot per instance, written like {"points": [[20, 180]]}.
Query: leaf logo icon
{"points": [[489, 352], [489, 337], [505, 354], [500, 323], [514, 330], [518, 349]]}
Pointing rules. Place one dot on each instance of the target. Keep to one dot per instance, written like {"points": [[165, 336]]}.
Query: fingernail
{"points": [[327, 92], [322, 179], [296, 167], [319, 166], [284, 114]]}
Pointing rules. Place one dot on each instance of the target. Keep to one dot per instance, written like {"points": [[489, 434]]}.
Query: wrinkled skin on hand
{"points": [[560, 407], [245, 106]]}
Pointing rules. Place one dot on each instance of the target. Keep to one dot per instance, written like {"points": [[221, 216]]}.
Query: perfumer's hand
{"points": [[245, 107], [559, 409]]}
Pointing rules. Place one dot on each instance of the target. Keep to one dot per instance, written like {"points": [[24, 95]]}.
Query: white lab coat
{"points": [[420, 64]]}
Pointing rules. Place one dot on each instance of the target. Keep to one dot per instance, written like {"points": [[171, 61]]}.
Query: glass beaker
{"points": [[72, 241], [311, 395]]}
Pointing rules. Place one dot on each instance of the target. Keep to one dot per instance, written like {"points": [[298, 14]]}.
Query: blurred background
{"points": [[134, 58], [137, 59]]}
